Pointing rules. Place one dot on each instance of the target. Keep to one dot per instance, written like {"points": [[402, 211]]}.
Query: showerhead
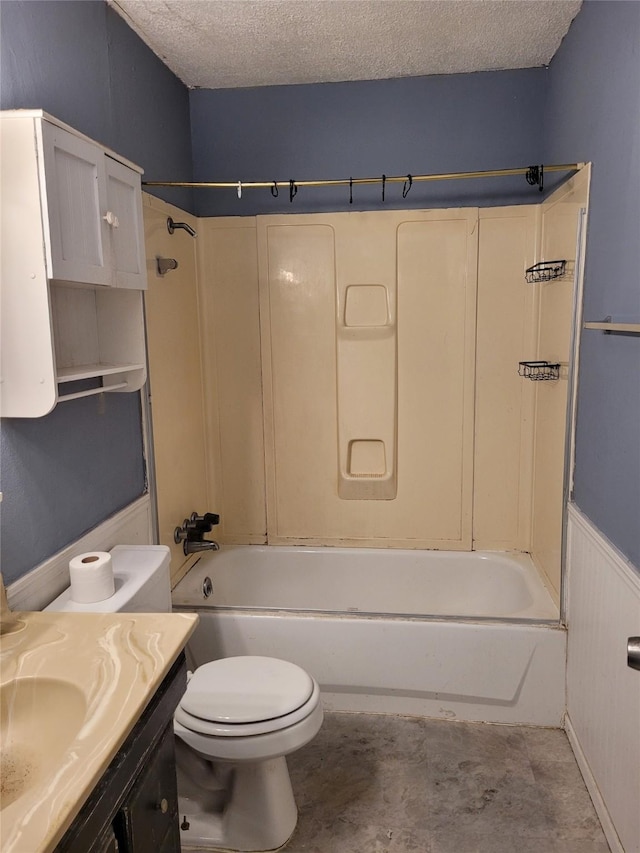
{"points": [[171, 227]]}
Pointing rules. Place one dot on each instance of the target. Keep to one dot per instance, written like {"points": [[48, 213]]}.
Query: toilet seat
{"points": [[245, 696]]}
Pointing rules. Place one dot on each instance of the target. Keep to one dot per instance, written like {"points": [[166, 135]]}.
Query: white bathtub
{"points": [[471, 636]]}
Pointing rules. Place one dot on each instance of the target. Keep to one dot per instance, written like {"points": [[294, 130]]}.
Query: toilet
{"points": [[235, 724]]}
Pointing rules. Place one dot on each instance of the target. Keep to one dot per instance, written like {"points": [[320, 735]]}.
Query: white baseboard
{"points": [[594, 792], [36, 589]]}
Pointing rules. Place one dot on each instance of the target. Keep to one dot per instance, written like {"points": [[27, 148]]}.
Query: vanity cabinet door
{"points": [[148, 820], [136, 801]]}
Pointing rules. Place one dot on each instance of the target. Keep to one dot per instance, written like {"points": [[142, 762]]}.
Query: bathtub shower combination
{"points": [[470, 636]]}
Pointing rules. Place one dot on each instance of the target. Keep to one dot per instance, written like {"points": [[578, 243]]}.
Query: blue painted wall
{"points": [[420, 125], [63, 474], [593, 113]]}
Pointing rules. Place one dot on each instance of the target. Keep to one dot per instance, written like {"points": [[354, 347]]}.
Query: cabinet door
{"points": [[124, 205], [78, 249], [149, 818]]}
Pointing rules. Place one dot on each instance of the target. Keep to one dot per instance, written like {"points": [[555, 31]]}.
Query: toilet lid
{"points": [[246, 689]]}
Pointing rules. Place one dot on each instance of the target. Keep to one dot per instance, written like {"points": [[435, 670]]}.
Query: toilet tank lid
{"points": [[246, 689], [144, 557]]}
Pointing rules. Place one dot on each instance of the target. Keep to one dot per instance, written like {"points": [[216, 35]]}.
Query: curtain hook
{"points": [[384, 181], [350, 190], [407, 186], [293, 189], [239, 189], [535, 175], [274, 189], [532, 175]]}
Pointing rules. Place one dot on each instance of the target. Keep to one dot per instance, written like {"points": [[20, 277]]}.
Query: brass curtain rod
{"points": [[342, 182]]}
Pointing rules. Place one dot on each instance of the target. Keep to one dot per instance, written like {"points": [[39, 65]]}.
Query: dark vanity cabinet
{"points": [[148, 819], [134, 807]]}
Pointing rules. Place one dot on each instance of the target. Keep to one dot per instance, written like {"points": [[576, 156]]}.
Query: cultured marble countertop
{"points": [[62, 736]]}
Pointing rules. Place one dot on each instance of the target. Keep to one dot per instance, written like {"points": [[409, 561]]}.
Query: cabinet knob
{"points": [[111, 219], [164, 805]]}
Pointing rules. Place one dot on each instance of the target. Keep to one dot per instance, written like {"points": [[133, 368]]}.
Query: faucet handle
{"points": [[209, 519], [180, 534], [194, 527]]}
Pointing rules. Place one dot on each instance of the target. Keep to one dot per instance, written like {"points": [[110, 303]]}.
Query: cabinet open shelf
{"points": [[122, 377], [90, 371]]}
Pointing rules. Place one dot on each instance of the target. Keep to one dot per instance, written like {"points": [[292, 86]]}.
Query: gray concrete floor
{"points": [[385, 784]]}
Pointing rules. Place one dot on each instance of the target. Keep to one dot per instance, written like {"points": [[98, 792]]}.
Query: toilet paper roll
{"points": [[91, 577]]}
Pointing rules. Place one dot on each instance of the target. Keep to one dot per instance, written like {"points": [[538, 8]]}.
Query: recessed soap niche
{"points": [[366, 305], [366, 458]]}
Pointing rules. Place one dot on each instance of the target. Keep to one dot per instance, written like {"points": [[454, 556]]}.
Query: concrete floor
{"points": [[384, 784]]}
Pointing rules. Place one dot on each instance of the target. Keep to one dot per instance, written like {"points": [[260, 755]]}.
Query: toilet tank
{"points": [[142, 580]]}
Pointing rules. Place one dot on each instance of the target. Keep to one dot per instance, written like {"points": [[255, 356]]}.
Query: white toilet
{"points": [[236, 722]]}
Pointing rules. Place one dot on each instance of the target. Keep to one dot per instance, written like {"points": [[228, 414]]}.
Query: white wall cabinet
{"points": [[72, 267]]}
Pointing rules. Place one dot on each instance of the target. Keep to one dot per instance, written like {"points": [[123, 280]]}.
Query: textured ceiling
{"points": [[217, 44]]}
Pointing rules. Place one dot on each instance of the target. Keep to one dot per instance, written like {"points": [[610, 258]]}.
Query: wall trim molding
{"points": [[133, 525], [592, 787]]}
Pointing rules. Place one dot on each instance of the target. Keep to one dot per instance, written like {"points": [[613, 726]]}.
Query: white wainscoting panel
{"points": [[603, 693], [131, 526]]}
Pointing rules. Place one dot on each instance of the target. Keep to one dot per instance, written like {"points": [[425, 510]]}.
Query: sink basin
{"points": [[39, 718]]}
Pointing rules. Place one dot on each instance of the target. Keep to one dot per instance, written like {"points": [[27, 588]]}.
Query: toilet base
{"points": [[253, 811]]}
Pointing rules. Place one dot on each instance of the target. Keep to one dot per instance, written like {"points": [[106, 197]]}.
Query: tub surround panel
{"points": [[506, 334], [333, 413], [366, 363], [172, 315], [230, 349], [437, 280], [111, 665], [297, 289], [560, 217], [352, 394]]}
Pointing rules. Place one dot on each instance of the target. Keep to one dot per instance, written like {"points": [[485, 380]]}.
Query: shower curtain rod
{"points": [[351, 182]]}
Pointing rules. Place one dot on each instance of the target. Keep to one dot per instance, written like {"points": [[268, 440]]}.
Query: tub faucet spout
{"points": [[192, 546], [191, 534]]}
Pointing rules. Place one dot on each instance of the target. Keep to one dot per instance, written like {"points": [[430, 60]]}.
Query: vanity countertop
{"points": [[73, 685]]}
